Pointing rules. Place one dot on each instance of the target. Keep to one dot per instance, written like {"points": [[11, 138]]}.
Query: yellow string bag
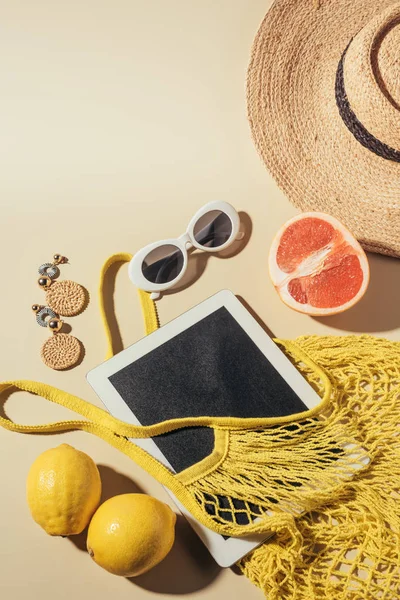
{"points": [[348, 548], [260, 473], [264, 473]]}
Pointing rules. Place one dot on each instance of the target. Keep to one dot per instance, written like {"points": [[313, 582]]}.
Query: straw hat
{"points": [[324, 108]]}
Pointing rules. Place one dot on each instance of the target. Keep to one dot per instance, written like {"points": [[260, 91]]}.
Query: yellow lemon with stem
{"points": [[130, 534], [63, 490]]}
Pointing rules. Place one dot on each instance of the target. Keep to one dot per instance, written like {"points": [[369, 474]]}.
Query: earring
{"points": [[66, 298], [61, 351]]}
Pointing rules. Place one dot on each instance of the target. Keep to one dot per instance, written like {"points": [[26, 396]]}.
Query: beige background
{"points": [[118, 121]]}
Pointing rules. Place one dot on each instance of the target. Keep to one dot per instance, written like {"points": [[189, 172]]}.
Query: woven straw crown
{"points": [[324, 109], [372, 77]]}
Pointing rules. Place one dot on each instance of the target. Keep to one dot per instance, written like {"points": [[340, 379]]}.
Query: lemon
{"points": [[130, 534], [63, 490]]}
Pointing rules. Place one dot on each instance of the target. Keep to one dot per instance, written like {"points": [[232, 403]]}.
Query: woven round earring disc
{"points": [[66, 298], [61, 351]]}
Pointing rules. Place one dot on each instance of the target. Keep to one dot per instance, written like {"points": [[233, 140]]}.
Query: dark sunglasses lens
{"points": [[163, 264], [213, 229]]}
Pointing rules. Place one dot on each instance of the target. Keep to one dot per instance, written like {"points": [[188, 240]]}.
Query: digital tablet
{"points": [[213, 360]]}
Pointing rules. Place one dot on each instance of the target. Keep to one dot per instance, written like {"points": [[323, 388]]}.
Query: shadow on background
{"points": [[379, 309], [87, 298], [256, 317], [114, 483], [187, 568], [5, 394], [198, 260]]}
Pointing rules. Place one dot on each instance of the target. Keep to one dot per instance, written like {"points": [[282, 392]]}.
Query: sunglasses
{"points": [[159, 266]]}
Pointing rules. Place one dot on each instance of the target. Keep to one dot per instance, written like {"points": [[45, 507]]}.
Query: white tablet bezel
{"points": [[225, 552]]}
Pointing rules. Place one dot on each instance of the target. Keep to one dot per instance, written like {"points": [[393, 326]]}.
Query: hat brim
{"points": [[297, 127]]}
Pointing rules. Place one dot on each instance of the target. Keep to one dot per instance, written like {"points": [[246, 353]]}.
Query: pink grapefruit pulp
{"points": [[317, 266]]}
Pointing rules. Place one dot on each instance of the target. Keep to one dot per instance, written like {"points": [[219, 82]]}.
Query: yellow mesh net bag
{"points": [[349, 548], [325, 482]]}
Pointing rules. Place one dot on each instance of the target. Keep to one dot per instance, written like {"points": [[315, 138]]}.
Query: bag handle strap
{"points": [[101, 423], [149, 311]]}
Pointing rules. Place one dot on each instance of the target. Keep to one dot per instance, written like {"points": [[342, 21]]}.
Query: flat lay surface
{"points": [[120, 121]]}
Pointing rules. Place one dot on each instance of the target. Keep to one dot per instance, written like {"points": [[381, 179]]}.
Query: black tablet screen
{"points": [[213, 368]]}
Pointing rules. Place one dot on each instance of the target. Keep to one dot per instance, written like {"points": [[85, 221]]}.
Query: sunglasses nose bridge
{"points": [[186, 241]]}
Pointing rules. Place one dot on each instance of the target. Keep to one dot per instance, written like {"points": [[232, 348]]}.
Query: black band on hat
{"points": [[354, 125]]}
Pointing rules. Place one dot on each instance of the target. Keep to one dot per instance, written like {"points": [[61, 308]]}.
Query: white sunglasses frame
{"points": [[184, 243]]}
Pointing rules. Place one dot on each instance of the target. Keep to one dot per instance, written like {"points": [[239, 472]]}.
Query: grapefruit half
{"points": [[317, 266]]}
